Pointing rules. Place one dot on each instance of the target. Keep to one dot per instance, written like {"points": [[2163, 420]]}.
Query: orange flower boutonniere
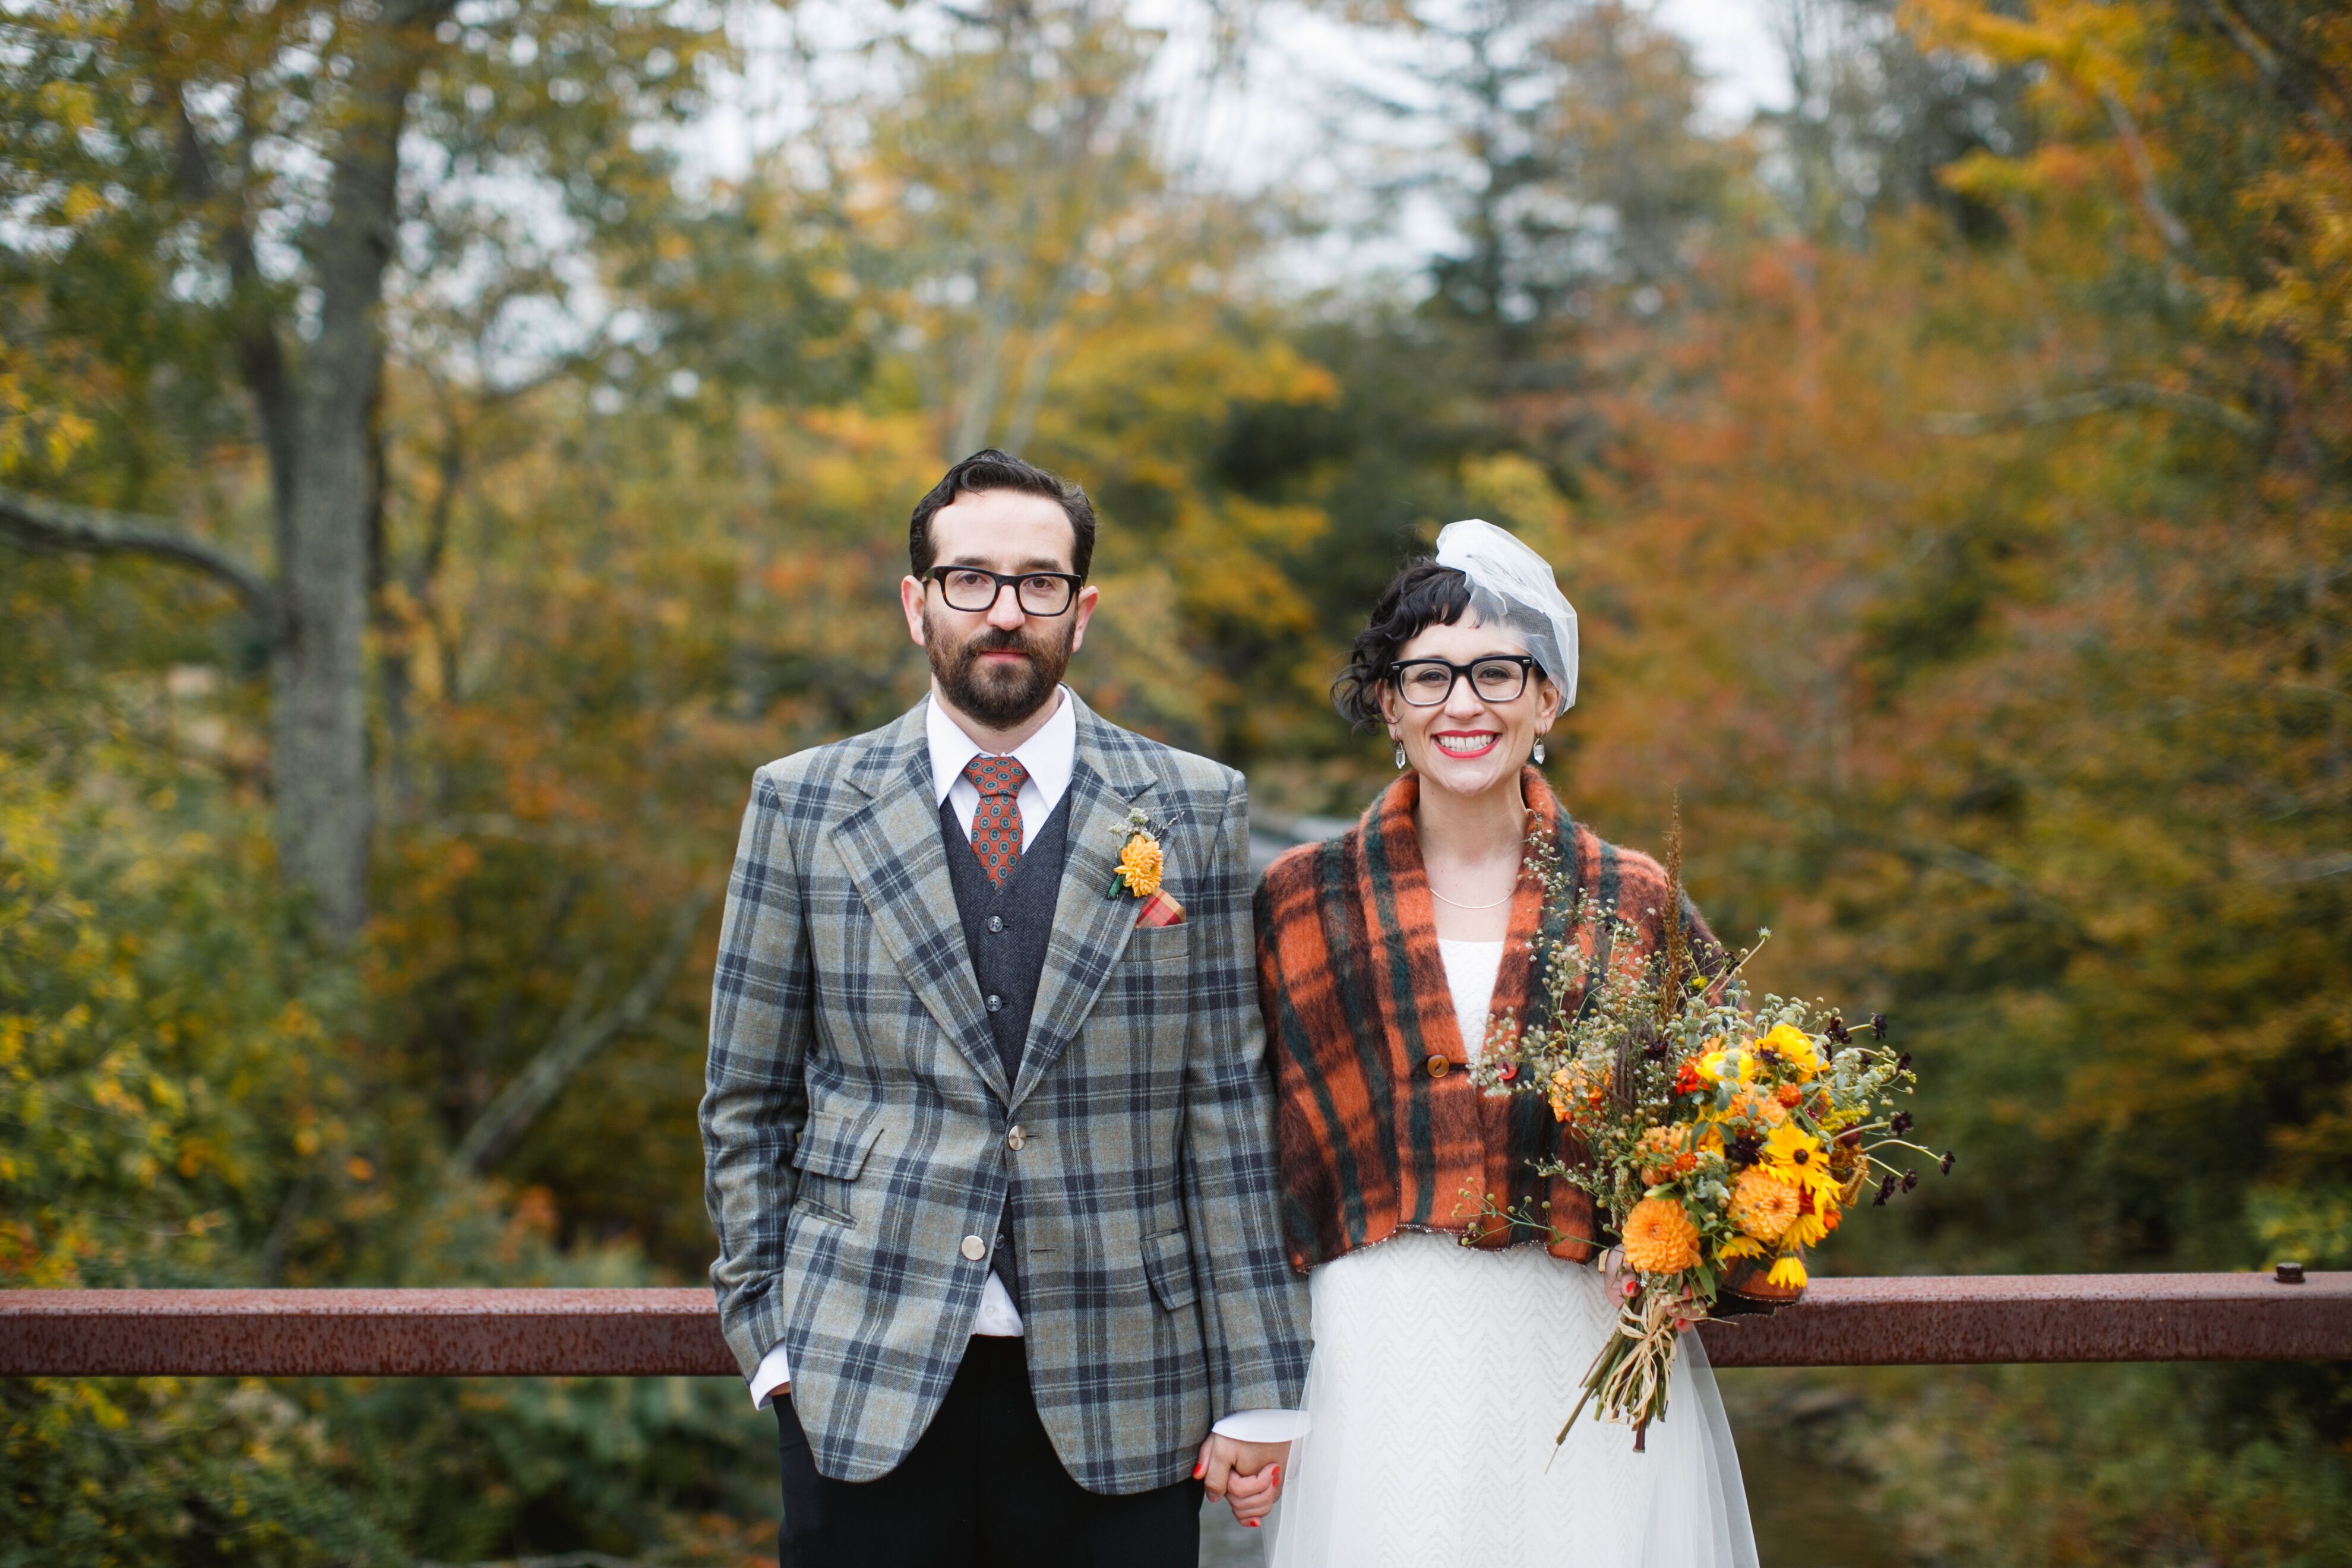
{"points": [[1141, 860], [1142, 863]]}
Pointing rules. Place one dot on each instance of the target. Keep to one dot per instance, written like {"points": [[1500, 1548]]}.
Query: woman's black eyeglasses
{"points": [[1426, 682], [975, 589]]}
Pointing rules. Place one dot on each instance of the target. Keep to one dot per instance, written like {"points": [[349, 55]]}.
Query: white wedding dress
{"points": [[1441, 1375]]}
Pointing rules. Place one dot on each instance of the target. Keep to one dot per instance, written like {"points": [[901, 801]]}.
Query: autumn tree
{"points": [[246, 180]]}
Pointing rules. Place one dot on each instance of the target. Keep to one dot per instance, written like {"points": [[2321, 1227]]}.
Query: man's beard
{"points": [[999, 693]]}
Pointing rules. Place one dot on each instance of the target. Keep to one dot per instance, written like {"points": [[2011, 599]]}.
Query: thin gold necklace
{"points": [[1497, 904]]}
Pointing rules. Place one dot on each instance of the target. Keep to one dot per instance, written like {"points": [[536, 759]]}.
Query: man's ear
{"points": [[1088, 596], [910, 599]]}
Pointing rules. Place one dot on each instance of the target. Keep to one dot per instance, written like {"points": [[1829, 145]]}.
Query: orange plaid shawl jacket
{"points": [[1358, 1016]]}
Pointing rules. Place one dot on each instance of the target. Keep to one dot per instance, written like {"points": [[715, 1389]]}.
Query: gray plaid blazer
{"points": [[855, 1114]]}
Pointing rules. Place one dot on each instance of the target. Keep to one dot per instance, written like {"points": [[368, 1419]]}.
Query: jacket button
{"points": [[1015, 1138], [1438, 1066], [995, 1004], [973, 1248], [996, 923]]}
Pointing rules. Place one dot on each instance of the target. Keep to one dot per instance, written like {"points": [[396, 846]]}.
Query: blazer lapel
{"points": [[890, 847], [1090, 931]]}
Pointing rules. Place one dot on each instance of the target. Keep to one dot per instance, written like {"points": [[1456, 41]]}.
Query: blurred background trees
{"points": [[449, 446]]}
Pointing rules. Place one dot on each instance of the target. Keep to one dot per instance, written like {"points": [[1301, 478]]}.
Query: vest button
{"points": [[1015, 1138], [996, 923], [995, 1004], [1438, 1066], [973, 1248]]}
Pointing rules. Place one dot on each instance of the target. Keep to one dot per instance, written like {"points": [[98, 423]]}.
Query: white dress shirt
{"points": [[1049, 756]]}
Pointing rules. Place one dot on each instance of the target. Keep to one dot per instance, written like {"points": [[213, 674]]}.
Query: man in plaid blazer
{"points": [[988, 1129]]}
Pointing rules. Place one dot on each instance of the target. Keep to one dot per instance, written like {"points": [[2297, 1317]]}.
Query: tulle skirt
{"points": [[1440, 1377]]}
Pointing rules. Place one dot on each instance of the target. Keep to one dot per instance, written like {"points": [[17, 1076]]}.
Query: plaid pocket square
{"points": [[1159, 909]]}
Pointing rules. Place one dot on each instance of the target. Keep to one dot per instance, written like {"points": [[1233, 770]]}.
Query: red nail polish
{"points": [[1249, 1524], [1273, 1473], [1198, 1469]]}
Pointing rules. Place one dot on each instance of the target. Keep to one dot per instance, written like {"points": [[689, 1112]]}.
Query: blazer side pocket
{"points": [[1168, 1263], [830, 1157]]}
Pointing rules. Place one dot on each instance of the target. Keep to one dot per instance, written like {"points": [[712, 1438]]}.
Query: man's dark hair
{"points": [[990, 470], [1422, 596]]}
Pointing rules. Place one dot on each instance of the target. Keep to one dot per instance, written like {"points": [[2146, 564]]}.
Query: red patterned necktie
{"points": [[996, 826]]}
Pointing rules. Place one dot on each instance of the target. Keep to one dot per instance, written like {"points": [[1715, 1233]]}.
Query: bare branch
{"points": [[2311, 868], [261, 352], [2098, 400], [2291, 72], [577, 1039], [2151, 196], [35, 523]]}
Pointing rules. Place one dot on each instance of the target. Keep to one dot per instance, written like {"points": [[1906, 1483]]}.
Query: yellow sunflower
{"points": [[1659, 1237], [1789, 1273], [1798, 1158]]}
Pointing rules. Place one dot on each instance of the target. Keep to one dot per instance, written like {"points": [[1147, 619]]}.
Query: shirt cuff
{"points": [[1263, 1426], [775, 1371]]}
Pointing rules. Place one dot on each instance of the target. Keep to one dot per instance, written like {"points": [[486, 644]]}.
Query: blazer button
{"points": [[1015, 1138], [973, 1248], [1438, 1066], [995, 1004], [996, 923]]}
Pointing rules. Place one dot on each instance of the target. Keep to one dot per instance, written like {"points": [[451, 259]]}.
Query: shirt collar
{"points": [[1049, 755]]}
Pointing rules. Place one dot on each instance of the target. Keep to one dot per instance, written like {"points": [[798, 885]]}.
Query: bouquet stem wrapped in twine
{"points": [[1630, 1375]]}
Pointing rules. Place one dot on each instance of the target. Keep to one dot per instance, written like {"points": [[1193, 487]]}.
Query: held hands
{"points": [[1247, 1476]]}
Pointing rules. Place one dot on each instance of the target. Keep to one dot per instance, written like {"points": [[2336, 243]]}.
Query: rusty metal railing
{"points": [[650, 1333]]}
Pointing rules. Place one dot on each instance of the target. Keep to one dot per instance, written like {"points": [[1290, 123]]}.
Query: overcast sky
{"points": [[1735, 48], [1279, 120]]}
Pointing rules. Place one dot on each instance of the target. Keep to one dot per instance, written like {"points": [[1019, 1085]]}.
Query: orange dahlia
{"points": [[1759, 1109], [1762, 1207], [1660, 1237], [1141, 863]]}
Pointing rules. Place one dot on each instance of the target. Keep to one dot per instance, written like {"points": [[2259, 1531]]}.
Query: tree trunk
{"points": [[324, 801]]}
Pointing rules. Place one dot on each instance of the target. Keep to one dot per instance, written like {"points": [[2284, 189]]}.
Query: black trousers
{"points": [[983, 1488]]}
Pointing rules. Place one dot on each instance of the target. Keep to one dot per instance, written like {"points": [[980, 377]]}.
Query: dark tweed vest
{"points": [[1006, 928]]}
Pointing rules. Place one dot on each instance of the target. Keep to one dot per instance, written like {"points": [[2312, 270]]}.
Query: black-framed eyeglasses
{"points": [[1426, 682], [975, 589]]}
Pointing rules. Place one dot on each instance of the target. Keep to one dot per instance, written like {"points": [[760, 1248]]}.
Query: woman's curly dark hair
{"points": [[1422, 596]]}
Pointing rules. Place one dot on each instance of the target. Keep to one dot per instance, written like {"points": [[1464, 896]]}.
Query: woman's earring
{"points": [[1398, 745], [1539, 751]]}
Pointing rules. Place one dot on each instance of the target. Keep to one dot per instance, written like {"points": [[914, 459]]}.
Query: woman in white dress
{"points": [[1449, 1343]]}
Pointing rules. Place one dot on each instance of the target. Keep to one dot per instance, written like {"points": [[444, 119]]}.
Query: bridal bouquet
{"points": [[1723, 1137]]}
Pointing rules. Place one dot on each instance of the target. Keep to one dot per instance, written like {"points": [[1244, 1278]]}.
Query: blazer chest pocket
{"points": [[1168, 1263], [1159, 945], [831, 1156]]}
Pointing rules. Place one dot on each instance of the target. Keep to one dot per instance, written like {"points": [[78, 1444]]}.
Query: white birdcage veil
{"points": [[1512, 585]]}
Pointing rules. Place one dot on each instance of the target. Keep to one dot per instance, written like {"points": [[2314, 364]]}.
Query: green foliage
{"points": [[2104, 1465], [192, 1095]]}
